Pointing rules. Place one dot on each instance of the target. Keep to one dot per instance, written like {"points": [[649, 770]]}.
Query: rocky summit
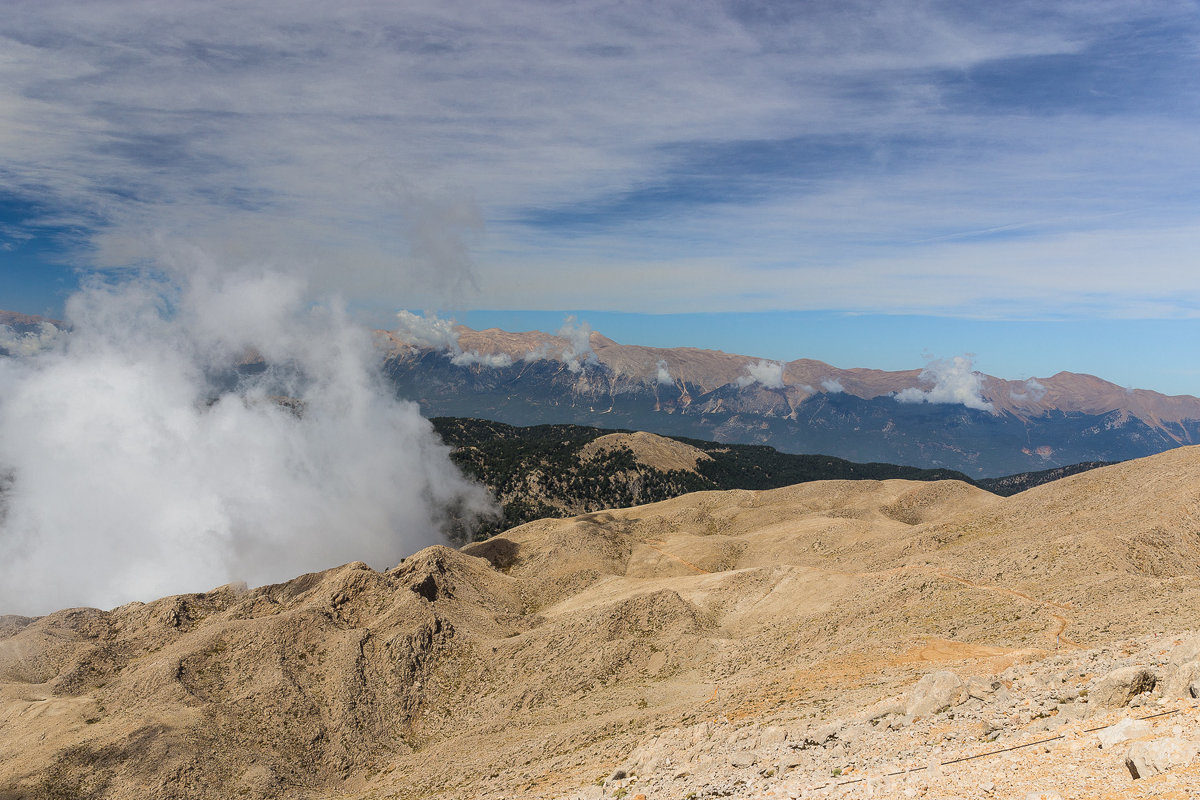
{"points": [[834, 638]]}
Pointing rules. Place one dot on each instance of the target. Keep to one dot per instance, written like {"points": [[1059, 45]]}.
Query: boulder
{"points": [[935, 692], [1184, 680], [1187, 650], [1159, 755], [1123, 731], [1118, 687], [982, 688]]}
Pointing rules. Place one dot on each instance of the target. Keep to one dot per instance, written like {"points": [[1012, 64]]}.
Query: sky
{"points": [[871, 184]]}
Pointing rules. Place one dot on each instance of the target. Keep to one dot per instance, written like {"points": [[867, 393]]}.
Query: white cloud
{"points": [[768, 373], [832, 385], [579, 344], [143, 463], [538, 353], [30, 343], [662, 374], [435, 333], [428, 331], [474, 357], [368, 146], [954, 381], [1034, 392]]}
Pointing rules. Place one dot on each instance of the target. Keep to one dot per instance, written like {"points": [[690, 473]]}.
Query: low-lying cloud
{"points": [[662, 374], [832, 386], [16, 343], [767, 373], [152, 452], [432, 332], [579, 344], [427, 331], [1034, 392], [475, 358], [954, 381]]}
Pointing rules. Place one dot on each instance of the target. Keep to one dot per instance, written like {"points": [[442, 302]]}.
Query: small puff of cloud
{"points": [[663, 375], [768, 373], [833, 386], [439, 334], [579, 344], [474, 357], [1033, 393], [954, 381], [30, 343], [427, 331]]}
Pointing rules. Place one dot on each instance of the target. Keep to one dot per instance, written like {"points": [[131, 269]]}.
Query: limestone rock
{"points": [[1187, 650], [982, 689], [1159, 755], [934, 692], [1184, 680], [1118, 687], [1123, 731]]}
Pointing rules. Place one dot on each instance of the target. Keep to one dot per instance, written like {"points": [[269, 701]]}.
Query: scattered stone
{"points": [[1159, 755], [772, 736], [935, 692], [1123, 731]]}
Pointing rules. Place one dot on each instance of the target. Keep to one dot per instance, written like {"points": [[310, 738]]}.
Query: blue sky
{"points": [[863, 183]]}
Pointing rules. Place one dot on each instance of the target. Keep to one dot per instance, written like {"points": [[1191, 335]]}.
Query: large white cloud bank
{"points": [[215, 428]]}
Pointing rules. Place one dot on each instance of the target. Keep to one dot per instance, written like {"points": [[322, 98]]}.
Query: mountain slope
{"points": [[802, 406], [531, 664]]}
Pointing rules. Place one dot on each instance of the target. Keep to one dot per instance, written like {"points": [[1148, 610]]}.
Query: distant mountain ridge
{"points": [[945, 416], [942, 417]]}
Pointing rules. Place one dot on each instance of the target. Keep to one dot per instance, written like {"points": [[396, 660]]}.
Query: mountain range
{"points": [[944, 416]]}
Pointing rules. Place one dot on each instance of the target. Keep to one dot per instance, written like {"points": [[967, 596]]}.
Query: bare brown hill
{"points": [[532, 663], [649, 449], [707, 370]]}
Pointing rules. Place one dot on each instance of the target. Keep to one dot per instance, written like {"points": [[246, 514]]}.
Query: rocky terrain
{"points": [[980, 425], [779, 638], [1111, 722]]}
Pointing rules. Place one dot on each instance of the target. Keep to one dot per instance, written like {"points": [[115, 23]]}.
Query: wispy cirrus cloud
{"points": [[934, 155]]}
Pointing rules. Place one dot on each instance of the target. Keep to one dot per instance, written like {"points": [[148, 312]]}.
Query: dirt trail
{"points": [[1062, 623], [688, 564]]}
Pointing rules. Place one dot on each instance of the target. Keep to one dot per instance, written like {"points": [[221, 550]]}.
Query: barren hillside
{"points": [[533, 664]]}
